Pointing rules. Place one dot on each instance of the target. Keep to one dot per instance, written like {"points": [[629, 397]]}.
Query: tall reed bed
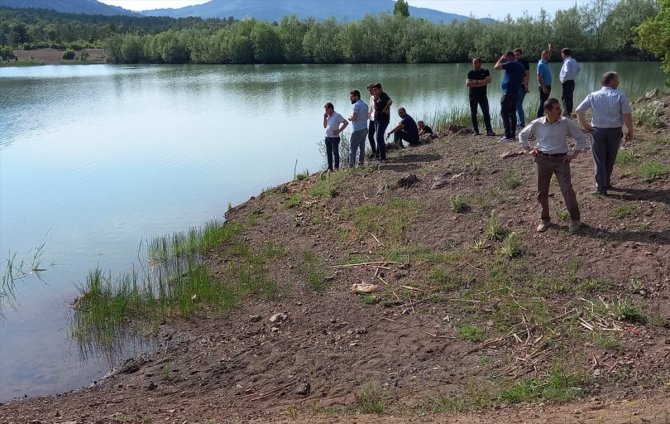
{"points": [[172, 281]]}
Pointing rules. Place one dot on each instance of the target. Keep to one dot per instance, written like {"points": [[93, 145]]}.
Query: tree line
{"points": [[599, 30]]}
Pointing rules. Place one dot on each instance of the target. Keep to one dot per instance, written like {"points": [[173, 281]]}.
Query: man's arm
{"points": [[387, 108], [499, 63], [628, 122], [395, 129], [581, 114], [344, 124], [525, 80], [524, 135]]}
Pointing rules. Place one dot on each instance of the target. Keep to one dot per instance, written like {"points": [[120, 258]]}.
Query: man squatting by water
{"points": [[551, 155]]}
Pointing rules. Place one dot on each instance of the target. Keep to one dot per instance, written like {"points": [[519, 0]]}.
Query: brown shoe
{"points": [[542, 227], [574, 226]]}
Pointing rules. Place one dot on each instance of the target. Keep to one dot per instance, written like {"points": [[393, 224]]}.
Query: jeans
{"points": [[568, 88], [482, 102], [333, 149], [519, 107], [543, 98], [380, 129], [357, 145], [547, 166], [508, 113], [371, 137], [605, 147], [401, 135]]}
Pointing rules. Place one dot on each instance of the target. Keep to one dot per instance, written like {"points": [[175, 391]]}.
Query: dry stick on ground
{"points": [[380, 263], [377, 240]]}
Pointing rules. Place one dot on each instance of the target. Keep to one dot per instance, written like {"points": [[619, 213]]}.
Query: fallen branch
{"points": [[363, 264]]}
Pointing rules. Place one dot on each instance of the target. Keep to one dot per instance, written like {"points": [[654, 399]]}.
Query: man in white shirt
{"points": [[611, 110], [569, 72], [552, 156]]}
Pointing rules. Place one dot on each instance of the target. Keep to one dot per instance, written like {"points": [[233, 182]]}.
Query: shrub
{"points": [[69, 55]]}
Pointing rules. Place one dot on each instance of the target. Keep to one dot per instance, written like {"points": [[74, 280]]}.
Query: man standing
{"points": [[359, 120], [611, 111], [478, 79], [334, 123], [382, 117], [511, 84], [552, 157], [518, 54], [544, 79], [371, 125], [405, 130], [569, 72]]}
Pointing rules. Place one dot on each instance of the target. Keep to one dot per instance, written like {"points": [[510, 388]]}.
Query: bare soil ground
{"points": [[55, 56], [462, 327]]}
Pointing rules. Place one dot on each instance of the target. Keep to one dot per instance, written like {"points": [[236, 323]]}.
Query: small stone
{"points": [[255, 318], [278, 317], [303, 389], [152, 386]]}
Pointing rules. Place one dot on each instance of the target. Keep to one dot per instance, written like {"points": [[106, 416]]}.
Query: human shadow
{"points": [[400, 167], [654, 237], [413, 157], [636, 194]]}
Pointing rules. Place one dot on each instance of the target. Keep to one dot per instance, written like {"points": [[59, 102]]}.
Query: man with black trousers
{"points": [[382, 117], [511, 84], [478, 79]]}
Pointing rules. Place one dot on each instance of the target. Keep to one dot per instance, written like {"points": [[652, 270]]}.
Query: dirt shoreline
{"points": [[48, 56], [455, 332]]}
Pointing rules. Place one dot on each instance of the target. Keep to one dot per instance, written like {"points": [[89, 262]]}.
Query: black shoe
{"points": [[477, 132], [490, 133], [599, 192]]}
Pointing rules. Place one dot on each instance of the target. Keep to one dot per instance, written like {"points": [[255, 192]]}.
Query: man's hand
{"points": [[571, 156], [532, 152], [544, 90], [629, 136]]}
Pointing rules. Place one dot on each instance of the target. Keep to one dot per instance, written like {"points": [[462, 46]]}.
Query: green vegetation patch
{"points": [[557, 386], [386, 221], [650, 171]]}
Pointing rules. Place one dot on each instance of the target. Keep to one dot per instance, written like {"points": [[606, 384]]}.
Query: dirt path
{"points": [[463, 327]]}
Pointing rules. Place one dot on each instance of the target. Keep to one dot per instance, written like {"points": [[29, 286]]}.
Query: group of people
{"points": [[550, 130], [515, 86], [369, 121], [553, 125]]}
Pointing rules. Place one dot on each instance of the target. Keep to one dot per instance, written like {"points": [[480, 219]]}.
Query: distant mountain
{"points": [[274, 10], [87, 7]]}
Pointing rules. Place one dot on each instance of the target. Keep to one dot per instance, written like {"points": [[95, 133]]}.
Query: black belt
{"points": [[555, 155]]}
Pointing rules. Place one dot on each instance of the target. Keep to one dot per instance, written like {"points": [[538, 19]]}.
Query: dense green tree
{"points": [[654, 34], [622, 21], [401, 8]]}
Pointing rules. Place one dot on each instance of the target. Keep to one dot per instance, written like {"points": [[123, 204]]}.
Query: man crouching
{"points": [[552, 156]]}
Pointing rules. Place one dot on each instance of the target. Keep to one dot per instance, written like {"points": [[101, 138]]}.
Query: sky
{"points": [[496, 9]]}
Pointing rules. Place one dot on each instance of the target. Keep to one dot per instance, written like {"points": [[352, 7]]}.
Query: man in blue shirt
{"points": [[359, 122], [544, 79], [511, 84]]}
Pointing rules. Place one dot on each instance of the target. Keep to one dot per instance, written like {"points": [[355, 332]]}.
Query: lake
{"points": [[96, 159]]}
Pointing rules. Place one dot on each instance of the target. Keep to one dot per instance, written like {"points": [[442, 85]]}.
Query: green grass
{"points": [[313, 268], [650, 171], [511, 246], [441, 119], [494, 229], [557, 386], [563, 215], [623, 211], [293, 201], [389, 220], [176, 284], [648, 115], [471, 332], [459, 203], [511, 181], [627, 157], [371, 398], [326, 185], [301, 175]]}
